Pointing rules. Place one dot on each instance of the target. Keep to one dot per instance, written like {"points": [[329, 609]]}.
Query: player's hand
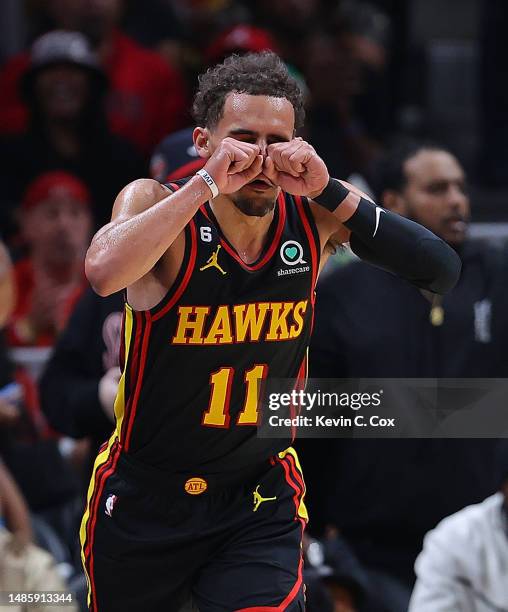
{"points": [[296, 168], [234, 164]]}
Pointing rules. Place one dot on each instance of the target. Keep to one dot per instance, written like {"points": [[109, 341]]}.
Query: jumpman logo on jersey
{"points": [[212, 262], [258, 499]]}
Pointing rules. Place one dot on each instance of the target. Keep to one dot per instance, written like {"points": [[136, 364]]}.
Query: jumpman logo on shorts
{"points": [[212, 262], [258, 499]]}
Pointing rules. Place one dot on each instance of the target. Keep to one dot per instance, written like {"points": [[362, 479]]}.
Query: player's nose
{"points": [[263, 147]]}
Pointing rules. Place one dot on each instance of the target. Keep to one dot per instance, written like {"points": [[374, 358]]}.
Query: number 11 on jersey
{"points": [[221, 382]]}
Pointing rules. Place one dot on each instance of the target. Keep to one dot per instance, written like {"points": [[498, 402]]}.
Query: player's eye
{"points": [[276, 139], [250, 138]]}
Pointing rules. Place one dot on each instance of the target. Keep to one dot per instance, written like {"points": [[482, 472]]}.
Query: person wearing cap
{"points": [[56, 224], [64, 87], [464, 562], [175, 157], [147, 97], [241, 38]]}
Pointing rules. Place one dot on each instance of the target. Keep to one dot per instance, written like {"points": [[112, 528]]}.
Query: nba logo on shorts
{"points": [[110, 504]]}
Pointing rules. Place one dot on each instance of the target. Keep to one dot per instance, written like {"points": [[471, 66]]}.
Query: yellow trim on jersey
{"points": [[103, 457], [120, 396], [302, 508]]}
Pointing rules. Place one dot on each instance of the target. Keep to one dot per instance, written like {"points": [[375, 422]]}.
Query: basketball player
{"points": [[220, 270]]}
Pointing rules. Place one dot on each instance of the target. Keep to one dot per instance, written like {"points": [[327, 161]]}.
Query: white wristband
{"points": [[209, 181]]}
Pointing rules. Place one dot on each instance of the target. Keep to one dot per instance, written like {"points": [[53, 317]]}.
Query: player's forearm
{"points": [[126, 249], [394, 243]]}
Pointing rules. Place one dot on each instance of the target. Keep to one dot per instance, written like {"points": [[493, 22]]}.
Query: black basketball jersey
{"points": [[188, 396]]}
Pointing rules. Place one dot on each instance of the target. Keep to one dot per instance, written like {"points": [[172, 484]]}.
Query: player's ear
{"points": [[201, 137], [392, 200]]}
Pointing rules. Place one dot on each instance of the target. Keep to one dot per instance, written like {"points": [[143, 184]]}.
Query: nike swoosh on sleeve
{"points": [[378, 216]]}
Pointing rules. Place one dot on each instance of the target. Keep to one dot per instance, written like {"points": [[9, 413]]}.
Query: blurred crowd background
{"points": [[405, 99]]}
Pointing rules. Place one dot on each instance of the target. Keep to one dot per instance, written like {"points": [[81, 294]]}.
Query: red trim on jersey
{"points": [[134, 405], [135, 350], [186, 278], [289, 478], [134, 374], [184, 171], [112, 461], [97, 476], [296, 472], [312, 244], [273, 246]]}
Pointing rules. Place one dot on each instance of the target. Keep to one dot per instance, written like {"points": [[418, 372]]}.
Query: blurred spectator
{"points": [[79, 385], [334, 578], [384, 495], [147, 98], [241, 38], [23, 566], [332, 125], [493, 95], [64, 87], [464, 562], [8, 411], [7, 291], [363, 33], [290, 21], [204, 19], [14, 514], [56, 224], [175, 157]]}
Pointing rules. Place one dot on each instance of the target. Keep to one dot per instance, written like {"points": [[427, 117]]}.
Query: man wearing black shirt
{"points": [[387, 494]]}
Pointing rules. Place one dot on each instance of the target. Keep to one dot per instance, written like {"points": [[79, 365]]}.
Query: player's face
{"points": [[260, 120], [435, 194]]}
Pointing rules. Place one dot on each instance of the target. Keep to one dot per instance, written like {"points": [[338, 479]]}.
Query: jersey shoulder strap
{"points": [[175, 185]]}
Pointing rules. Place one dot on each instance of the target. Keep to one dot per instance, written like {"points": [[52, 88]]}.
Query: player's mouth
{"points": [[260, 184]]}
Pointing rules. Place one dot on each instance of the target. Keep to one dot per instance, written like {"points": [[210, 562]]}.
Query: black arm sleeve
{"points": [[403, 247]]}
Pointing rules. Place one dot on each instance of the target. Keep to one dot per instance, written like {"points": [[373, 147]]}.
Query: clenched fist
{"points": [[296, 168], [233, 164]]}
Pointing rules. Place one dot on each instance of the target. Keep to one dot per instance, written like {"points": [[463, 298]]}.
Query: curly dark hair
{"points": [[258, 74]]}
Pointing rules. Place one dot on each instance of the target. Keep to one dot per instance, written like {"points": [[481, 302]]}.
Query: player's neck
{"points": [[247, 234]]}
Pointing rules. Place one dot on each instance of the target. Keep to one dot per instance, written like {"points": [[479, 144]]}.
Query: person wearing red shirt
{"points": [[56, 223], [147, 97]]}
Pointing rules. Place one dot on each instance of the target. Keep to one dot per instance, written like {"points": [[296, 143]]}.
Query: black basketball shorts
{"points": [[150, 541]]}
